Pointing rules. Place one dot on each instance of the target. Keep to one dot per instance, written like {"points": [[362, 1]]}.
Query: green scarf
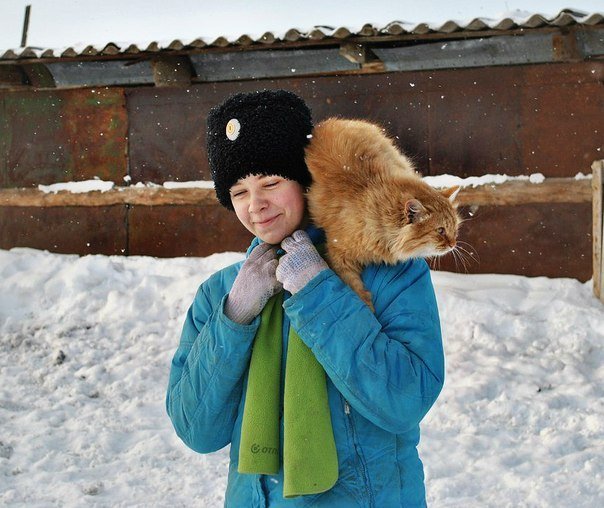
{"points": [[310, 462]]}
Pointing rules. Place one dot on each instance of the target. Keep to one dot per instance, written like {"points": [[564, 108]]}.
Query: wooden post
{"points": [[25, 26], [597, 184]]}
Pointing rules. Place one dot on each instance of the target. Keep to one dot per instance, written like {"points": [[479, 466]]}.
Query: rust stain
{"points": [[64, 135]]}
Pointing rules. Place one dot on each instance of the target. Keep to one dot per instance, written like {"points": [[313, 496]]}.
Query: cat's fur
{"points": [[371, 203]]}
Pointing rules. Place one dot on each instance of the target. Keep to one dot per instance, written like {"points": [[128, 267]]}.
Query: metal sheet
{"points": [[474, 119], [167, 125], [395, 101], [465, 122], [170, 231], [70, 230], [532, 240], [63, 135], [167, 134], [561, 132]]}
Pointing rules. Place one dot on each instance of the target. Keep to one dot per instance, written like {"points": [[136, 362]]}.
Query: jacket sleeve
{"points": [[388, 365], [207, 373]]}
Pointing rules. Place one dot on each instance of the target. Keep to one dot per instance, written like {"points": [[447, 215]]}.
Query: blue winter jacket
{"points": [[384, 372]]}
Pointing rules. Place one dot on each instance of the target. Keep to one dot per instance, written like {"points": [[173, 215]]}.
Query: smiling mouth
{"points": [[266, 222]]}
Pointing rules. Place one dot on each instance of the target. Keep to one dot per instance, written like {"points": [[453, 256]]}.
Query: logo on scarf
{"points": [[264, 449]]}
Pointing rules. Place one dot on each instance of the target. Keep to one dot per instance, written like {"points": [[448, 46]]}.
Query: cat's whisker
{"points": [[455, 258], [472, 253], [468, 256], [433, 262], [459, 255], [466, 259]]}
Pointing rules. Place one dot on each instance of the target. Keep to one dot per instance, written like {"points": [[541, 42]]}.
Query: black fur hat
{"points": [[258, 133]]}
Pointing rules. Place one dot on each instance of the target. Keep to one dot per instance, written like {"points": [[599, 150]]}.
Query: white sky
{"points": [[60, 23]]}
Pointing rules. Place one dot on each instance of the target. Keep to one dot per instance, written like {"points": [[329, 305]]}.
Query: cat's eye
{"points": [[441, 231]]}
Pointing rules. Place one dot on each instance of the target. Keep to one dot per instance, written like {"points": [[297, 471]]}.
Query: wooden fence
{"points": [[512, 192]]}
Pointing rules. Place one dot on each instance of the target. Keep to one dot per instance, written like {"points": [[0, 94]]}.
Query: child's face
{"points": [[270, 207]]}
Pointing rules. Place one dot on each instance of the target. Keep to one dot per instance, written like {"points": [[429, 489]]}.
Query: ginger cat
{"points": [[371, 203]]}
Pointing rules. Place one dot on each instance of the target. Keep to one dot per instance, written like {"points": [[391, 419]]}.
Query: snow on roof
{"points": [[509, 21]]}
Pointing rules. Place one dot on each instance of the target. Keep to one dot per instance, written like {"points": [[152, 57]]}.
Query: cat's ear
{"points": [[414, 210], [451, 193]]}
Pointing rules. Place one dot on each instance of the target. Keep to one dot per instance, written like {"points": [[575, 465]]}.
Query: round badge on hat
{"points": [[232, 129]]}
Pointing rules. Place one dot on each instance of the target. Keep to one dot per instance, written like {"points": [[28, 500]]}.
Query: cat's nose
{"points": [[452, 242]]}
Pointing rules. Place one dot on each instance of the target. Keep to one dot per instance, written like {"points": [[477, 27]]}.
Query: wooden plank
{"points": [[172, 71], [598, 228], [145, 196], [101, 73], [39, 75], [505, 50], [552, 190], [592, 41], [458, 102], [269, 64]]}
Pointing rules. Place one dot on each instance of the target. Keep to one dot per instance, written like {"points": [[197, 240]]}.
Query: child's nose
{"points": [[257, 203]]}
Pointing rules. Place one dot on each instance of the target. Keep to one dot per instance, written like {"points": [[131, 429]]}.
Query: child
{"points": [[319, 398]]}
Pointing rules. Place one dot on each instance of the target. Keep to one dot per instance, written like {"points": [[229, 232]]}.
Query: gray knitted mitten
{"points": [[300, 263], [254, 285]]}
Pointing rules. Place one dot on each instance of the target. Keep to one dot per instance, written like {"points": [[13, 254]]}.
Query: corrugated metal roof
{"points": [[565, 18]]}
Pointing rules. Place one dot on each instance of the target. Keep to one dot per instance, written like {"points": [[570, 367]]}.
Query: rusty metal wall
{"points": [[551, 240], [170, 231], [513, 120], [70, 229], [62, 135]]}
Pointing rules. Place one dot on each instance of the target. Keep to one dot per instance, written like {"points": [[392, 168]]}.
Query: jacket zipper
{"points": [[358, 453]]}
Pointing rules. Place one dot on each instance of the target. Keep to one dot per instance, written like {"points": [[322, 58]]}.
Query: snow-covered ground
{"points": [[85, 350]]}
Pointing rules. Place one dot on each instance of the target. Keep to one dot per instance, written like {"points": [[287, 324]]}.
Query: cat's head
{"points": [[430, 223]]}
